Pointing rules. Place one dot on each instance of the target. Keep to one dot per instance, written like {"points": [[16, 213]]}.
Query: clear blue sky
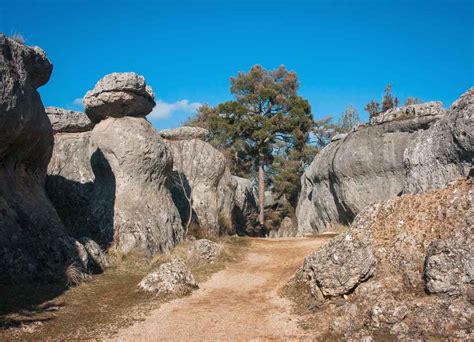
{"points": [[344, 52]]}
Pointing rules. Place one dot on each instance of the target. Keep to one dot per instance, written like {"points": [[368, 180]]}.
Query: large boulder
{"points": [[404, 269], [118, 95], [201, 178], [245, 210], [33, 244], [406, 150]]}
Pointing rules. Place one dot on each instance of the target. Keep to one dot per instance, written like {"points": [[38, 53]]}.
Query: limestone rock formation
{"points": [[371, 281], [97, 260], [408, 150], [33, 244], [200, 172], [172, 277], [118, 95], [245, 210], [204, 250], [109, 183], [184, 133], [68, 121]]}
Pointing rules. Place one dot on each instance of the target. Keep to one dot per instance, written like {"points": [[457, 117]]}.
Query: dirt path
{"points": [[238, 303]]}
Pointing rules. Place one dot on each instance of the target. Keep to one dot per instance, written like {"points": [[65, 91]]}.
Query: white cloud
{"points": [[164, 110], [78, 102]]}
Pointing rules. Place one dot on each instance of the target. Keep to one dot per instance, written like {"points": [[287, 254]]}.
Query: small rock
{"points": [[97, 259], [172, 277], [184, 133], [204, 250]]}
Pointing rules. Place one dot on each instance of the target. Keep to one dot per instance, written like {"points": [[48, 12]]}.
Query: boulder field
{"points": [[404, 150]]}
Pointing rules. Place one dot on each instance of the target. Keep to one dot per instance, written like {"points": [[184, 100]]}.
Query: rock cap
{"points": [[434, 108], [118, 95]]}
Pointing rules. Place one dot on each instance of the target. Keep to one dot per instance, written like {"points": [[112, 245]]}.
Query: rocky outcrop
{"points": [[118, 95], [404, 269], [68, 121], [245, 210], [201, 174], [33, 245], [172, 277], [109, 183], [406, 150]]}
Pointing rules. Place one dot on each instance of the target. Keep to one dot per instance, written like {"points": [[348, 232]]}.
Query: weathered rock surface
{"points": [[200, 172], [245, 210], [118, 95], [185, 133], [109, 184], [409, 150], [33, 244], [415, 111], [68, 121], [172, 277], [370, 282], [287, 228], [204, 250], [97, 260], [341, 265]]}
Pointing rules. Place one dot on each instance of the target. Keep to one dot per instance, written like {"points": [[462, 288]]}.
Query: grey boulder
{"points": [[68, 121], [204, 250], [185, 133], [118, 95], [245, 210], [172, 277]]}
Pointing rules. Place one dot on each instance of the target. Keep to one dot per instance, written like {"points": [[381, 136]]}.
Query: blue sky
{"points": [[344, 52]]}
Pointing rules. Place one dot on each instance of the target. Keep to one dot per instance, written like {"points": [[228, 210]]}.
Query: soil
{"points": [[241, 302]]}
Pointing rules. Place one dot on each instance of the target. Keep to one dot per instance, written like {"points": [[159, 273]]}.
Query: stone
{"points": [[68, 121], [341, 265], [200, 172], [33, 244], [172, 277], [118, 95], [407, 150], [449, 264], [185, 133], [414, 111], [131, 205], [245, 211], [204, 250], [97, 260]]}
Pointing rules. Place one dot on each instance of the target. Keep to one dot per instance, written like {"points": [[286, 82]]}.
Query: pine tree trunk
{"points": [[261, 193]]}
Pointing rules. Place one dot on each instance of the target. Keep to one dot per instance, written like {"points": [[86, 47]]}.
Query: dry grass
{"points": [[98, 308], [18, 37]]}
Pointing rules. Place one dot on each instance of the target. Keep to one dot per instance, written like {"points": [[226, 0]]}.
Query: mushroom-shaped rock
{"points": [[184, 133], [68, 121], [118, 95], [172, 277]]}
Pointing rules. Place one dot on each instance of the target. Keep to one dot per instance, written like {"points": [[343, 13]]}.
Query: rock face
{"points": [[171, 278], [68, 121], [33, 244], [407, 150], [118, 95], [109, 183], [373, 278], [245, 211], [200, 173]]}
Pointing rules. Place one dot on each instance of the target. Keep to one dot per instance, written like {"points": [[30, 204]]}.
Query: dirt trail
{"points": [[238, 303]]}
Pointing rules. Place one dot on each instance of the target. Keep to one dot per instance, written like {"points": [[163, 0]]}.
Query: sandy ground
{"points": [[239, 303]]}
